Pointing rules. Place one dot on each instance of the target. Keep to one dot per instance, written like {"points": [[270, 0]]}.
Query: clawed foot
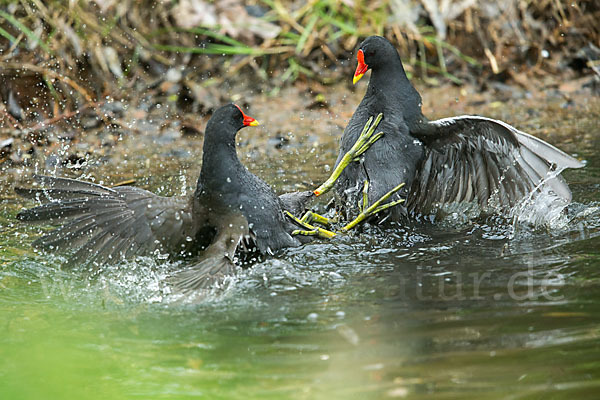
{"points": [[311, 230], [310, 217], [365, 140], [367, 211]]}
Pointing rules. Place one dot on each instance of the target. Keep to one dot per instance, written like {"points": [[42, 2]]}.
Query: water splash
{"points": [[542, 208]]}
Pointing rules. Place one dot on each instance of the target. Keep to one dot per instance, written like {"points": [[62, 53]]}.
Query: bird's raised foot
{"points": [[377, 207], [365, 140]]}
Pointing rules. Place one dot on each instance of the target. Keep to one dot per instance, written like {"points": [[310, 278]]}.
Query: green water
{"points": [[441, 311]]}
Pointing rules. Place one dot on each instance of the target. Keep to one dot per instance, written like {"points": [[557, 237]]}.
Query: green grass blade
{"points": [[345, 27], [453, 49], [211, 49], [218, 36], [30, 35], [307, 31], [7, 35], [198, 31], [438, 70], [52, 89]]}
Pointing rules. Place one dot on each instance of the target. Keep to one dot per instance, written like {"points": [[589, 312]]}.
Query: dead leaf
{"points": [[229, 16], [192, 13]]}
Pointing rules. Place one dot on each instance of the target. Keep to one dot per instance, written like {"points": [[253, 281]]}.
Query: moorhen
{"points": [[231, 210], [233, 215], [451, 160]]}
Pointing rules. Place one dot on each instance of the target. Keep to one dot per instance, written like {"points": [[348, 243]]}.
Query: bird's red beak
{"points": [[361, 68], [248, 121]]}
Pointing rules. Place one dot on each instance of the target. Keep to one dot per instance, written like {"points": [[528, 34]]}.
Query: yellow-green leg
{"points": [[309, 217], [365, 197], [377, 207], [310, 230], [366, 211], [365, 140]]}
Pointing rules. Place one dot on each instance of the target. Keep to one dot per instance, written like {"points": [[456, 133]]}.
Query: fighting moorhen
{"points": [[232, 210], [451, 160]]}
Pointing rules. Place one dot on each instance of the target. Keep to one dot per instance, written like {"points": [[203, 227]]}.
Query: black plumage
{"points": [[451, 160], [232, 213]]}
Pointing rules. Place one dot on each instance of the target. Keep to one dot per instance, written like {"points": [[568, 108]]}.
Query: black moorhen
{"points": [[451, 160], [232, 212]]}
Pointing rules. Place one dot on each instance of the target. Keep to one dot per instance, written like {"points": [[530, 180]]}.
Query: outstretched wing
{"points": [[471, 158], [218, 260], [104, 224]]}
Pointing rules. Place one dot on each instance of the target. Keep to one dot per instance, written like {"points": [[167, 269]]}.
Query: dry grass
{"points": [[81, 51]]}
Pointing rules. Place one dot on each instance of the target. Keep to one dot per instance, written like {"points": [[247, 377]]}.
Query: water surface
{"points": [[452, 310]]}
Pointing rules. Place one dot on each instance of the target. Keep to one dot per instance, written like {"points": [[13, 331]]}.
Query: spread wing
{"points": [[219, 259], [471, 158], [103, 224]]}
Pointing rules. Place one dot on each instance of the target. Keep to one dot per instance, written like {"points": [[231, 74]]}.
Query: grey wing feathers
{"points": [[63, 187], [535, 150], [472, 158], [102, 223], [218, 260]]}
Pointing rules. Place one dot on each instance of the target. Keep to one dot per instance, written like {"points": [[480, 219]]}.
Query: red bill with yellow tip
{"points": [[361, 68], [248, 121]]}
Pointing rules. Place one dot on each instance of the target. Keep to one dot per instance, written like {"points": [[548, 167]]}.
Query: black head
{"points": [[227, 120], [375, 52]]}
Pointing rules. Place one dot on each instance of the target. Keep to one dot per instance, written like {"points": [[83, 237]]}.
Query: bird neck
{"points": [[220, 163], [389, 87]]}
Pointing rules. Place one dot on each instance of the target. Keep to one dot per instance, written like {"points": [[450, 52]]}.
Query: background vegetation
{"points": [[75, 53]]}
